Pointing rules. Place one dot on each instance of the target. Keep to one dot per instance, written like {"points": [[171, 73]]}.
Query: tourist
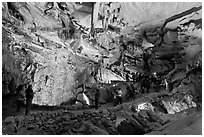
{"points": [[132, 91], [97, 95], [119, 96], [29, 98]]}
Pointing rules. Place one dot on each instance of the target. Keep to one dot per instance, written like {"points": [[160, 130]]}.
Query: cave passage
{"points": [[101, 68]]}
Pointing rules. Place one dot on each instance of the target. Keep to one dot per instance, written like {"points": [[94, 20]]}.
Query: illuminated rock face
{"points": [[54, 77], [31, 36], [55, 82], [154, 13]]}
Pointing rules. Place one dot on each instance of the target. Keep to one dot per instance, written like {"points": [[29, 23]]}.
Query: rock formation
{"points": [[48, 45]]}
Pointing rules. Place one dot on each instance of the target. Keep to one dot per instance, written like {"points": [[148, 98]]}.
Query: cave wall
{"points": [[29, 30], [54, 77], [48, 52]]}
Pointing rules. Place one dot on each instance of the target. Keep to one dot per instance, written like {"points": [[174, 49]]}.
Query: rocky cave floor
{"points": [[123, 119]]}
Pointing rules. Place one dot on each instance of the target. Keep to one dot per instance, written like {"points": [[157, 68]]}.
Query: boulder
{"points": [[128, 127], [83, 99], [9, 129], [176, 105], [10, 119], [144, 106], [87, 128]]}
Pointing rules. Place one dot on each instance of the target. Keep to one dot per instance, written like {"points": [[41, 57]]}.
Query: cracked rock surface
{"points": [[62, 48], [125, 119], [46, 44]]}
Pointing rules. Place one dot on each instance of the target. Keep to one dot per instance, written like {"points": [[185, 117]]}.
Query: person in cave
{"points": [[97, 95], [29, 97], [166, 84], [145, 84], [157, 82], [120, 92], [96, 68], [130, 90], [146, 61], [33, 71], [141, 79], [20, 97], [118, 97], [101, 65]]}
